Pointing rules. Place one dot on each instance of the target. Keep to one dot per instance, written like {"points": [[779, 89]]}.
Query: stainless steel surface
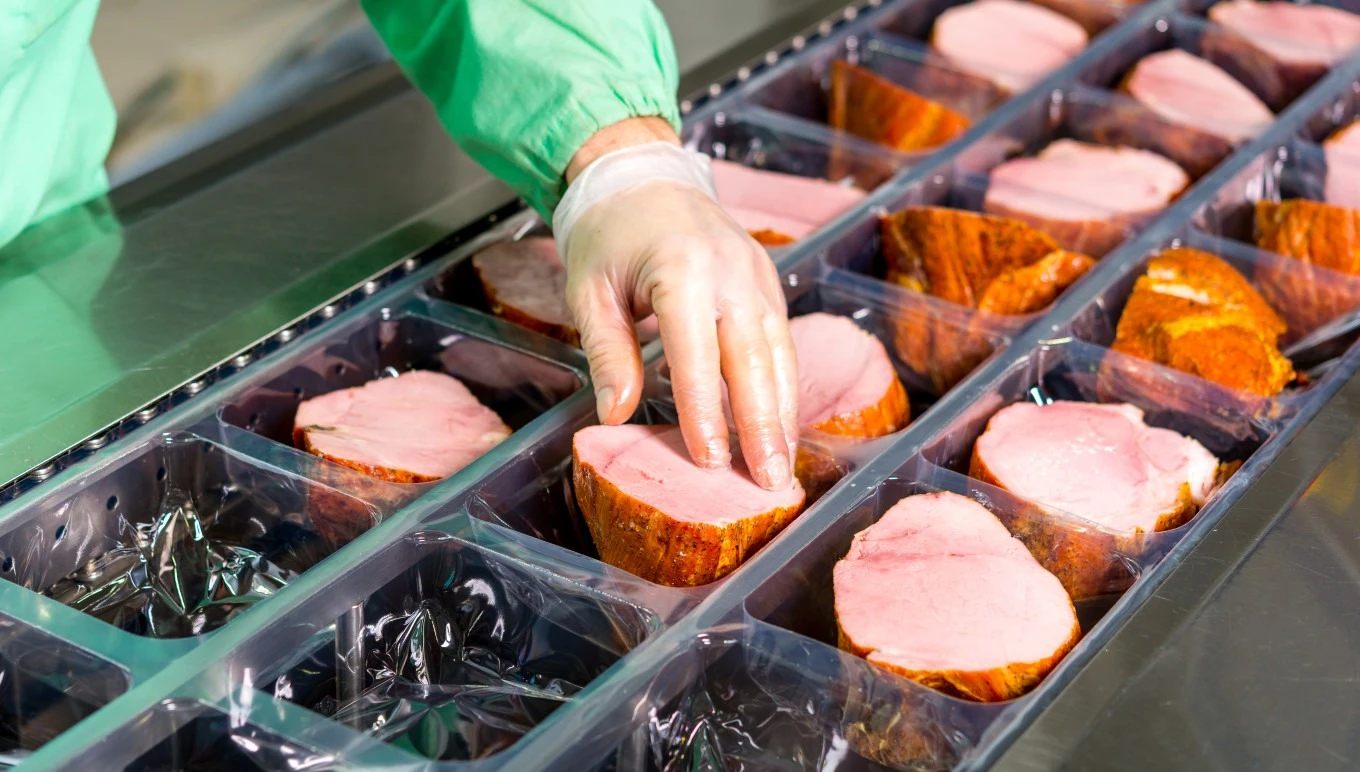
{"points": [[222, 252], [1245, 657]]}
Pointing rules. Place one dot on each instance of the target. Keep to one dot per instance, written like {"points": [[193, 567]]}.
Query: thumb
{"points": [[611, 346]]}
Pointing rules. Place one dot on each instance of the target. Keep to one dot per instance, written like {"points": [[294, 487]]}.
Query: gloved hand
{"points": [[641, 232]]}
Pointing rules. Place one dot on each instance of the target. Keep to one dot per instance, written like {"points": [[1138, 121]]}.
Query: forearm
{"points": [[522, 85]]}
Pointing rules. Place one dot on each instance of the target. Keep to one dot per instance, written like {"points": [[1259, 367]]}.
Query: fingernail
{"points": [[716, 456], [777, 471], [604, 402]]}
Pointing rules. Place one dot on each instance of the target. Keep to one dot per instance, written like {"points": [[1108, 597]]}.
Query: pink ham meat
{"points": [[525, 282], [1279, 49], [1087, 197], [847, 387], [418, 427], [786, 204], [1186, 90], [939, 592], [1343, 167], [1098, 462], [653, 513], [1014, 44]]}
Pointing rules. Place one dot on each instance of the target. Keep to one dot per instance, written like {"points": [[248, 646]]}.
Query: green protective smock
{"points": [[519, 84]]}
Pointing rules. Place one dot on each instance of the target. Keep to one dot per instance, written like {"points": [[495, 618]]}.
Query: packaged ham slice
{"points": [[1184, 89], [1280, 48], [1009, 42], [652, 512], [1193, 312], [992, 264], [847, 387], [1317, 235], [1342, 150], [870, 106], [1087, 197], [779, 208], [939, 592], [1099, 463]]}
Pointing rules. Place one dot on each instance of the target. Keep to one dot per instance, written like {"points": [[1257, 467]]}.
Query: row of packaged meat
{"points": [[177, 530]]}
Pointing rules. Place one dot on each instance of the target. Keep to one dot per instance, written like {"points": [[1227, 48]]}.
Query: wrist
{"points": [[627, 133]]}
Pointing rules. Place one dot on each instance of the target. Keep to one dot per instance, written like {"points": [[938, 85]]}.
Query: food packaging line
{"points": [[197, 592]]}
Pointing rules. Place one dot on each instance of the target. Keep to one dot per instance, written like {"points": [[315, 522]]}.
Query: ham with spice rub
{"points": [[1087, 197], [870, 106], [652, 512], [1102, 464], [1323, 240], [1184, 89], [1279, 49], [778, 208], [938, 591], [847, 388], [1342, 151], [1009, 42]]}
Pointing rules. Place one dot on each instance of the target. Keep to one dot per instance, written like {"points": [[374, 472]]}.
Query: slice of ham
{"points": [[1301, 34], [870, 106], [418, 427], [939, 592], [1342, 150], [1184, 89], [847, 387], [1009, 42], [1097, 462], [1087, 197], [1193, 312], [525, 282], [1318, 236], [761, 200], [652, 512]]}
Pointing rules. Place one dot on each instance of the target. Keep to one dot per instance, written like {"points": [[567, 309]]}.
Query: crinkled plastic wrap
{"points": [[463, 652], [204, 739]]}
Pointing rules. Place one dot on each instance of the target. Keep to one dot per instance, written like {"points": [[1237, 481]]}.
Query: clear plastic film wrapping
{"points": [[201, 594]]}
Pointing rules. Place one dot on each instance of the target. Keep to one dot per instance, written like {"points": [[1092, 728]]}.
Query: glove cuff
{"points": [[622, 170]]}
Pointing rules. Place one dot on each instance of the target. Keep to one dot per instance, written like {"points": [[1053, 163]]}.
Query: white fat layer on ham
{"points": [[421, 422], [1309, 34], [1075, 181], [939, 584], [1187, 90], [1011, 43], [842, 369], [1098, 462], [652, 465], [759, 199]]}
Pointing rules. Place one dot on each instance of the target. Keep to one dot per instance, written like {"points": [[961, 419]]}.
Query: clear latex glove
{"points": [[642, 233]]}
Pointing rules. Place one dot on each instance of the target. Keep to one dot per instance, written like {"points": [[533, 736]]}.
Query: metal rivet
{"points": [[285, 335], [329, 311], [771, 57], [744, 73], [95, 443], [798, 43], [715, 89], [241, 360], [42, 473], [824, 28], [370, 287], [146, 414], [850, 13], [686, 106]]}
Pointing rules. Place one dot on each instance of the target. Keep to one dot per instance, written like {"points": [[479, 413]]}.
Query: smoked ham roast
{"points": [[777, 208], [1317, 235], [1279, 48], [652, 512], [1009, 42], [1099, 463], [873, 107], [1184, 89], [1085, 196], [992, 264], [939, 592], [420, 426], [1193, 312], [847, 387]]}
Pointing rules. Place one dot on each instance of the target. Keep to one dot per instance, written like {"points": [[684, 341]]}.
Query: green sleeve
{"points": [[58, 120], [521, 84]]}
